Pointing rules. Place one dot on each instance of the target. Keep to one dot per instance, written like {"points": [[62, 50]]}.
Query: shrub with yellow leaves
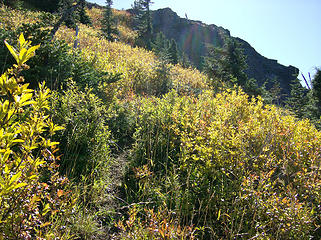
{"points": [[32, 193], [229, 164], [139, 67], [12, 18]]}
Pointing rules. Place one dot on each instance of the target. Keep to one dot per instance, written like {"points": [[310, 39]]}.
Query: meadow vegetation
{"points": [[108, 141]]}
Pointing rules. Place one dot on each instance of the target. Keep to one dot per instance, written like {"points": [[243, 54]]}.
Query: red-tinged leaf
{"points": [[60, 193]]}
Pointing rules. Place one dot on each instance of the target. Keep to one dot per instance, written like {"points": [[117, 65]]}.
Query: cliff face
{"points": [[264, 69], [193, 36]]}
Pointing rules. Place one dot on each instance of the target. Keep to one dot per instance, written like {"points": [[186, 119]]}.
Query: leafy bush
{"points": [[228, 164], [11, 19], [86, 158], [122, 122], [85, 138], [53, 63], [32, 193]]}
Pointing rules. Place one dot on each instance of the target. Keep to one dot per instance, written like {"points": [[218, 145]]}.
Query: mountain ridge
{"points": [[192, 36]]}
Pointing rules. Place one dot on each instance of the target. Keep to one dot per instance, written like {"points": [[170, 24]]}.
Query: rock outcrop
{"points": [[192, 38]]}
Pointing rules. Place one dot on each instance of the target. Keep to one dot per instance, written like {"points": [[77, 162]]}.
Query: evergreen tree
{"points": [[312, 110], [44, 5], [71, 18], [275, 91], [163, 76], [68, 15], [10, 3], [234, 62], [173, 52], [76, 10], [165, 49], [212, 65], [143, 22], [184, 60], [316, 89], [83, 16], [251, 88], [306, 103], [160, 43], [226, 63], [161, 47], [6, 2], [108, 23], [298, 99]]}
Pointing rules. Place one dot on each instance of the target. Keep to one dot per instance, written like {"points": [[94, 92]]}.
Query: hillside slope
{"points": [[157, 153]]}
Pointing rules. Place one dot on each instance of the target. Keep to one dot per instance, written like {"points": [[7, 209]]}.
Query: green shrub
{"points": [[55, 61], [86, 158], [228, 164], [85, 138], [32, 194], [122, 122]]}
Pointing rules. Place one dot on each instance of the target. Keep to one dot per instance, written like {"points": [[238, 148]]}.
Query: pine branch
{"points": [[64, 16]]}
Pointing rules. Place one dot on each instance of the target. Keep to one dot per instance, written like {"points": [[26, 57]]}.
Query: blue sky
{"points": [[286, 30]]}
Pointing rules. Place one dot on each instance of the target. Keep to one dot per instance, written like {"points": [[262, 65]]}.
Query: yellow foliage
{"points": [[127, 35], [123, 21], [26, 52], [124, 18], [156, 225], [95, 15], [247, 165], [139, 68], [186, 79], [27, 205], [12, 19]]}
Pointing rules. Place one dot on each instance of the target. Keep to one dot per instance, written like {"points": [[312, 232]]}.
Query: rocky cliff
{"points": [[193, 36]]}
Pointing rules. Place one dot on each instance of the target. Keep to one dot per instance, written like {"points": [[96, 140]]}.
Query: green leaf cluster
{"points": [[29, 180]]}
